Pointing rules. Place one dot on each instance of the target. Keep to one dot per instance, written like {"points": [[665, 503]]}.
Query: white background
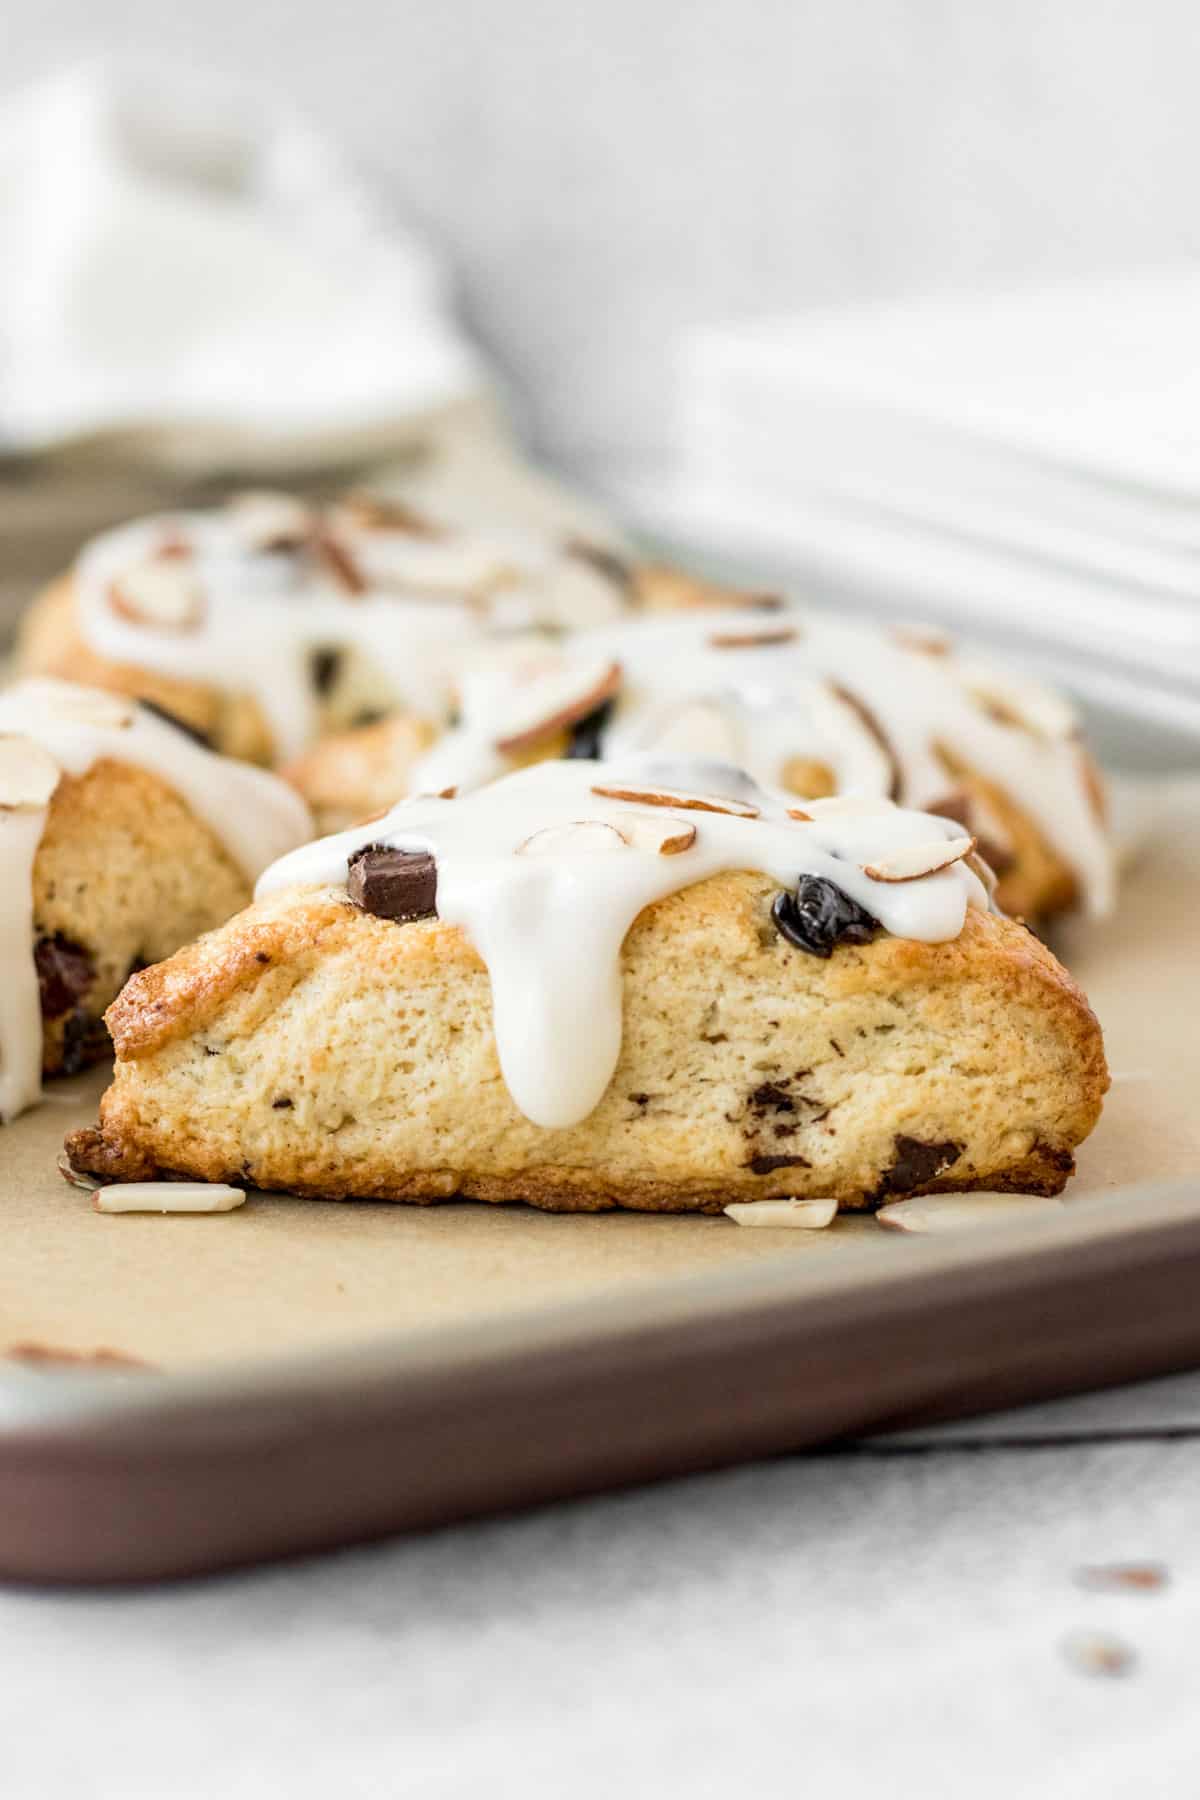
{"points": [[603, 172]]}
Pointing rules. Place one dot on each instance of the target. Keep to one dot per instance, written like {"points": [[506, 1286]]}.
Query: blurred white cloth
{"points": [[1026, 464], [189, 266]]}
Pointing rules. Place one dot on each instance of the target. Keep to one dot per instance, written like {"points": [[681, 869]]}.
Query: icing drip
{"points": [[255, 815], [549, 919], [262, 612], [855, 698]]}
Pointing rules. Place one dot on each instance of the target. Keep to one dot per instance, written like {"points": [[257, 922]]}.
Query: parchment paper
{"points": [[283, 1275]]}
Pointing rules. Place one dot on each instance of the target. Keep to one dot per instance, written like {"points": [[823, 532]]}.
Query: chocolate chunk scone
{"points": [[583, 989], [122, 839]]}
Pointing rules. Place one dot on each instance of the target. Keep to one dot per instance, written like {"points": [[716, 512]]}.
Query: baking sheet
{"points": [[284, 1276]]}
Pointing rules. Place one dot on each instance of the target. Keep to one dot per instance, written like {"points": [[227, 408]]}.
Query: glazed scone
{"points": [[663, 1001], [814, 704], [123, 839]]}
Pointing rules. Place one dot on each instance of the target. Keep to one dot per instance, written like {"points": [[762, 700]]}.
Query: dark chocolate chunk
{"points": [[325, 665], [84, 1041], [819, 915], [393, 884], [766, 1165], [65, 972], [917, 1163], [587, 734], [169, 718]]}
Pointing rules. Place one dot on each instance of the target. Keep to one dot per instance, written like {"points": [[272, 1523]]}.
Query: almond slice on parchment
{"points": [[164, 594], [649, 796], [28, 774], [928, 1213], [648, 831], [790, 1215], [167, 1197], [911, 862], [554, 697], [579, 837]]}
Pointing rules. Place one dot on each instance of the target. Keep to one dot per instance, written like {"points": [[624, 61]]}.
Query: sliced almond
{"points": [[554, 698], [164, 593], [339, 562], [268, 521], [368, 512], [851, 703], [660, 588], [648, 796], [28, 774], [752, 640], [1022, 705], [791, 1215], [86, 705], [168, 1197], [809, 777], [927, 643], [927, 1213], [913, 861], [68, 1171], [694, 728], [645, 831], [580, 837]]}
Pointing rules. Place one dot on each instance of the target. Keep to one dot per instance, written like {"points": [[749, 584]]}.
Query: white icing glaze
{"points": [[550, 926], [255, 815], [762, 706], [264, 613]]}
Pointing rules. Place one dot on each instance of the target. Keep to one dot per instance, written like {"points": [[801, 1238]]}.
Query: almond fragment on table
{"points": [[911, 861], [28, 774], [791, 1215], [957, 1212], [1116, 1578], [1097, 1653], [168, 1197]]}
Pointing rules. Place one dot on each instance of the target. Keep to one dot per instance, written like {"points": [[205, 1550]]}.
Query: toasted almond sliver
{"points": [[167, 1197], [752, 640], [1127, 1578], [163, 593], [28, 774], [926, 642], [76, 1177], [555, 698], [912, 862], [581, 837], [644, 796], [927, 1213], [791, 1215], [647, 831]]}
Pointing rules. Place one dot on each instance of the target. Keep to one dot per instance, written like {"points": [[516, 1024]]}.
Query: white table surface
{"points": [[875, 1622]]}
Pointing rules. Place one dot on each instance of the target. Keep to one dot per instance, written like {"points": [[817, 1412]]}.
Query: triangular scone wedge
{"points": [[311, 1047]]}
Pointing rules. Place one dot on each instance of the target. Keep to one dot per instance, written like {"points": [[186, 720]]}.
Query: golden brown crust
{"points": [[49, 643], [351, 774], [126, 873], [310, 1047]]}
